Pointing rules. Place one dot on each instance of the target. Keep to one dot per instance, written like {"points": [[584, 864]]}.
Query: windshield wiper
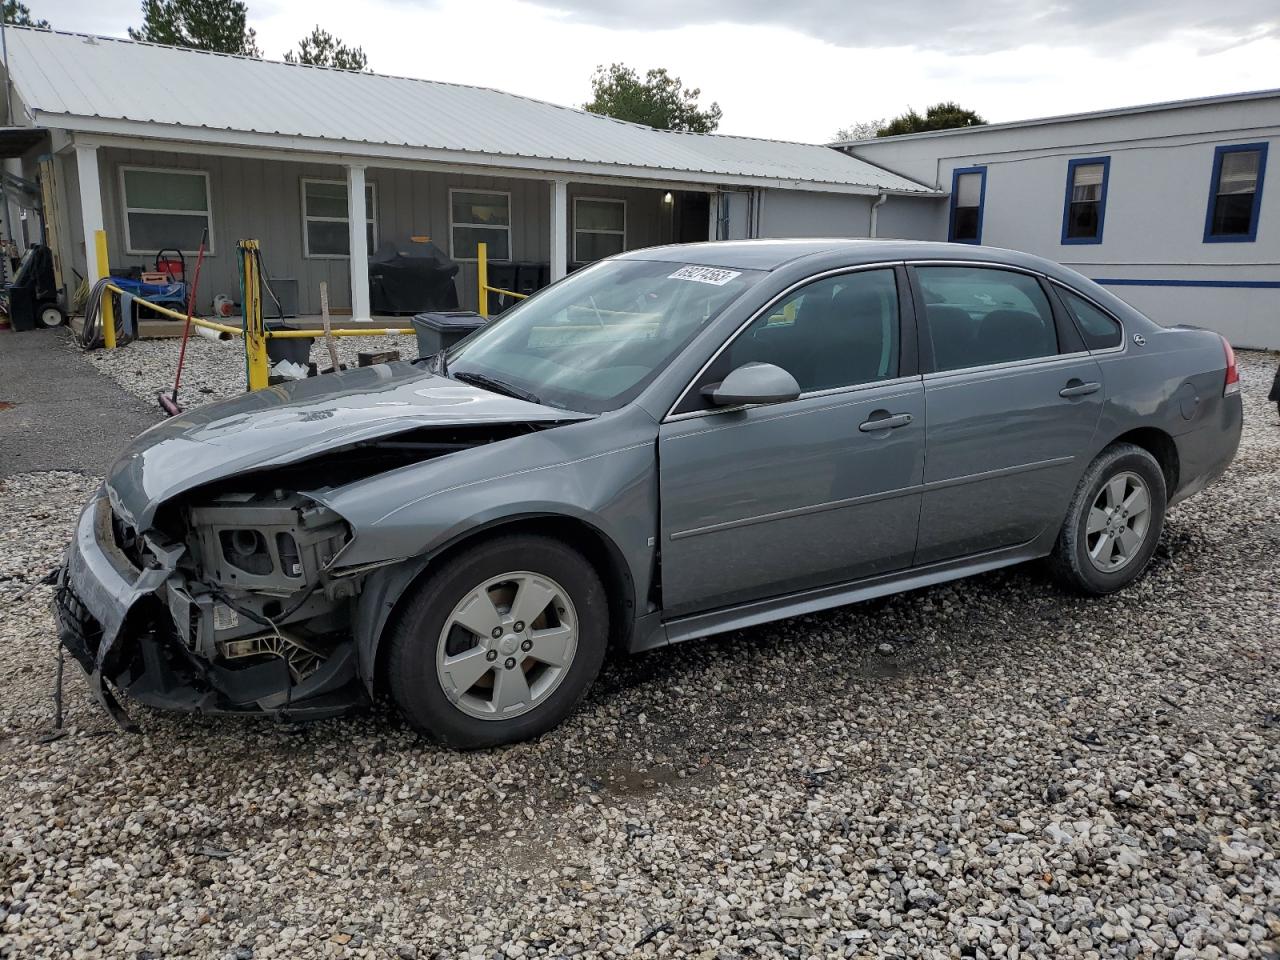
{"points": [[497, 386]]}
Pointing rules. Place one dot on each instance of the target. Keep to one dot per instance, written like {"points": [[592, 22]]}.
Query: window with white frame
{"points": [[165, 210], [479, 216], [325, 231], [599, 228]]}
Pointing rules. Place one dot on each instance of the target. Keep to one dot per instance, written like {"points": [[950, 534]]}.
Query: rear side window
{"points": [[1099, 330], [983, 315]]}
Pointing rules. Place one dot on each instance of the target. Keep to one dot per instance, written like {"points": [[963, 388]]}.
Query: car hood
{"points": [[291, 422]]}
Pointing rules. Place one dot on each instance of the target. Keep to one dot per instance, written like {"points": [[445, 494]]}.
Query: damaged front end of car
{"points": [[207, 574], [229, 605]]}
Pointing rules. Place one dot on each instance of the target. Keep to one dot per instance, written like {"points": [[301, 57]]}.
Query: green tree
{"points": [[941, 116], [322, 49], [863, 130], [18, 14], [659, 100], [214, 25]]}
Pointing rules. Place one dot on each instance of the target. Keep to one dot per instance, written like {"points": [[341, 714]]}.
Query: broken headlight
{"points": [[274, 542]]}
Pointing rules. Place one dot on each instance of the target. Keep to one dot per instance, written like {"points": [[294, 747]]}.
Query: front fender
{"points": [[601, 473]]}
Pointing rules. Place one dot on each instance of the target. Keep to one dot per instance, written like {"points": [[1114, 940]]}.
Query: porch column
{"points": [[559, 229], [13, 212], [357, 217], [90, 207]]}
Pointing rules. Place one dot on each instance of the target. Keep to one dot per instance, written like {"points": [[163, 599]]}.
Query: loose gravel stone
{"points": [[1034, 774], [214, 369]]}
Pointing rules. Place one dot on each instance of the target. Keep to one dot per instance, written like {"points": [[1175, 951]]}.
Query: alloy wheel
{"points": [[1118, 522], [507, 645]]}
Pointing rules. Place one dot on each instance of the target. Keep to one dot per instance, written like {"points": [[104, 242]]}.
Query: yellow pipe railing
{"points": [[483, 288], [271, 334]]}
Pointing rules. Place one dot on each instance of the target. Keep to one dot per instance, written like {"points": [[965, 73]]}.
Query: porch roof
{"points": [[111, 86]]}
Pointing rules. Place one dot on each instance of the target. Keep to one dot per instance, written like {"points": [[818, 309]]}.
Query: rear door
{"points": [[1012, 400], [767, 500]]}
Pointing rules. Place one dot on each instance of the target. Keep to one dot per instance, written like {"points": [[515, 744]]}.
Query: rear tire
{"points": [[464, 669], [1114, 522]]}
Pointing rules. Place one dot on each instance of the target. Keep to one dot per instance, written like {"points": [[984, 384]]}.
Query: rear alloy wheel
{"points": [[1114, 522], [501, 645]]}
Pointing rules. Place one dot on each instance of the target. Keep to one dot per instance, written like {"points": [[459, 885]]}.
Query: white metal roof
{"points": [[111, 86], [1160, 107]]}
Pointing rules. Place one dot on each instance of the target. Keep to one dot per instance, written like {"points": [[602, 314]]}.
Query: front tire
{"points": [[1114, 522], [501, 644]]}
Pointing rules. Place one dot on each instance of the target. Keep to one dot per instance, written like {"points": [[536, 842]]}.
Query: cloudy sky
{"points": [[796, 70]]}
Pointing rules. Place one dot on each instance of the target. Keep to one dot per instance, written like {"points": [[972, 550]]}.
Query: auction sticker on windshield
{"points": [[712, 275]]}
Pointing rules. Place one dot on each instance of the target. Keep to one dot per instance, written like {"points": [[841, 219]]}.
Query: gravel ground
{"points": [[213, 369], [987, 769]]}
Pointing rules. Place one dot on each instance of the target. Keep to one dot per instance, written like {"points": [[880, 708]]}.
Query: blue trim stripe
{"points": [[1105, 163], [1243, 284], [1215, 182]]}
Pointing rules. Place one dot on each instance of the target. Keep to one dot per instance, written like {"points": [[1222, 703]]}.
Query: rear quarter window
{"points": [[1098, 329]]}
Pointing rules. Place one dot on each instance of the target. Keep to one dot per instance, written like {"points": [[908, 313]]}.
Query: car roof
{"points": [[771, 254]]}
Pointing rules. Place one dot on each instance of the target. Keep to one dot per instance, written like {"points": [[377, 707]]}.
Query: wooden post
{"points": [[482, 278], [328, 326]]}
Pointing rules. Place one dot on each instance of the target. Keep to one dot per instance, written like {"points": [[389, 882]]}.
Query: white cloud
{"points": [[771, 81]]}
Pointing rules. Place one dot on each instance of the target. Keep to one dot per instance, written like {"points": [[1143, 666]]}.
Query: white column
{"points": [[90, 206], [13, 220], [559, 229], [358, 217], [713, 221]]}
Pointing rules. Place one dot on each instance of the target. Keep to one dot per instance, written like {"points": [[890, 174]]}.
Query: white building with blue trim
{"points": [[1165, 204]]}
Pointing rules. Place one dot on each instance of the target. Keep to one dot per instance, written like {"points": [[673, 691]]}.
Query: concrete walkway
{"points": [[57, 412]]}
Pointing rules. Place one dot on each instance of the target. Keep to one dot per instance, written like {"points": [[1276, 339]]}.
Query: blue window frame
{"points": [[1235, 193], [968, 197], [1084, 208]]}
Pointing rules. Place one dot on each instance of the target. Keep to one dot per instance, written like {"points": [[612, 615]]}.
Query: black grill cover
{"points": [[407, 277]]}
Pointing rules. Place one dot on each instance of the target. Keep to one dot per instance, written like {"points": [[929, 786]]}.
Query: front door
{"points": [[767, 500], [1012, 401]]}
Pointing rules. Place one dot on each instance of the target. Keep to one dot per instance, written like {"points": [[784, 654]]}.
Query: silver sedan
{"points": [[669, 444]]}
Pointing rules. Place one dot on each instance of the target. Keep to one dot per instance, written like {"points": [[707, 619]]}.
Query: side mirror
{"points": [[753, 383]]}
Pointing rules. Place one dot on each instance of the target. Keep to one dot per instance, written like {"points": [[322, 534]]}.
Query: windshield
{"points": [[595, 340]]}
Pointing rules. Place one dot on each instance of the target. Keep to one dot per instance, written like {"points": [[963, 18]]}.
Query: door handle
{"points": [[885, 423], [1078, 388]]}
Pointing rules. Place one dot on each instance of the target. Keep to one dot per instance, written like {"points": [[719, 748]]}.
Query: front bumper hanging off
{"points": [[110, 620]]}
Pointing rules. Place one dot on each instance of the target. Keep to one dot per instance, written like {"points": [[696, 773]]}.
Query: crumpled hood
{"points": [[291, 422]]}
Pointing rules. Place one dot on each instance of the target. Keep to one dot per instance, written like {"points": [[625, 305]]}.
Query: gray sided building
{"points": [[153, 144]]}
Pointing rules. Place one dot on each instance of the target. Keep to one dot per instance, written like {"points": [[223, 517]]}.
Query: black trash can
{"points": [[503, 276], [293, 349], [440, 331]]}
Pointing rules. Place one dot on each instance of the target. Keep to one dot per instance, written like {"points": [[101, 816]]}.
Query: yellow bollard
{"points": [[100, 270], [482, 277], [255, 334]]}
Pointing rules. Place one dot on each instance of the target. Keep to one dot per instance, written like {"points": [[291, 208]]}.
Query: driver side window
{"points": [[840, 331]]}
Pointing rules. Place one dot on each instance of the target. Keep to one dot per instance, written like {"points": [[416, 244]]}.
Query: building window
{"points": [[1235, 193], [479, 216], [599, 228], [165, 210], [968, 193], [1086, 202], [325, 232]]}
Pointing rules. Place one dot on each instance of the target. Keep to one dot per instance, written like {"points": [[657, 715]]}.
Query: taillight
{"points": [[1232, 383]]}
